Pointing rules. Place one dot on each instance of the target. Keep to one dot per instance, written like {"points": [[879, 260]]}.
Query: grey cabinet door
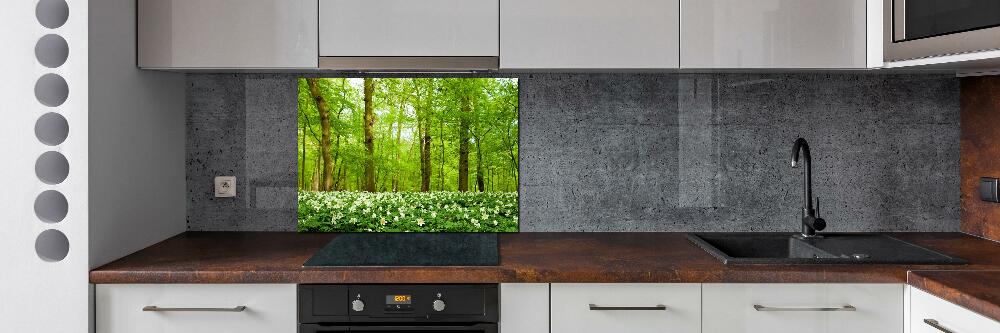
{"points": [[774, 34], [409, 28], [589, 34], [228, 34]]}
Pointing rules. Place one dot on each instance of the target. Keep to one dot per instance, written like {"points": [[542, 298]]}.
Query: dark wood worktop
{"points": [[978, 291], [276, 257]]}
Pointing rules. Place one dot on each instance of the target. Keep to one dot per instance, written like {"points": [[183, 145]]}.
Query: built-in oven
{"points": [[387, 308], [928, 28]]}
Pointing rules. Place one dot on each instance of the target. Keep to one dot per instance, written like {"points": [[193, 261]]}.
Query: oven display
{"points": [[398, 303], [398, 299]]}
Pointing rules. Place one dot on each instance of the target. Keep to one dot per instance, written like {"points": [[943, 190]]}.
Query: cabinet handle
{"points": [[660, 307], [935, 324], [848, 307], [154, 308]]}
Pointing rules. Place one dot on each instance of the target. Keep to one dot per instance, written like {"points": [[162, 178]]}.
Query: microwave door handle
{"points": [[898, 17]]}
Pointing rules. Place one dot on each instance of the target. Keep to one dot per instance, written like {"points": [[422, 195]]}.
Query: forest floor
{"points": [[407, 212]]}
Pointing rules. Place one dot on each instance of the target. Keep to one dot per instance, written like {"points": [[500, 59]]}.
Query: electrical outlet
{"points": [[225, 187], [988, 189]]}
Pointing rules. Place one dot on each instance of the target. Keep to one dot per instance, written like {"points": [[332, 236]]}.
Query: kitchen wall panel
{"points": [[641, 152], [980, 148]]}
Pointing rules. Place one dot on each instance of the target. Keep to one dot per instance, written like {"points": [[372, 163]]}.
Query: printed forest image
{"points": [[408, 155]]}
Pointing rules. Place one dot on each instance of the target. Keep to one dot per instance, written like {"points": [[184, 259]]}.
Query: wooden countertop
{"points": [[978, 291], [277, 257]]}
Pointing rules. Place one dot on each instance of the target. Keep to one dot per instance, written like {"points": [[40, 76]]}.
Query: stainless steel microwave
{"points": [[929, 28]]}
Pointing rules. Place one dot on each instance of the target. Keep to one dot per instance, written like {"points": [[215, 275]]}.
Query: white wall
{"points": [[137, 187], [126, 128], [38, 295]]}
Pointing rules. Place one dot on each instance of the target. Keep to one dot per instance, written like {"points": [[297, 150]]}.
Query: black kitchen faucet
{"points": [[810, 221]]}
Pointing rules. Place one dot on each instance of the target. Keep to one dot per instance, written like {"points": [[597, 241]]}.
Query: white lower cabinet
{"points": [[524, 307], [626, 307], [930, 314], [570, 308], [196, 308], [815, 308]]}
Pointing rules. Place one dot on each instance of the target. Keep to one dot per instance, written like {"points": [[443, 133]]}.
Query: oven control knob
{"points": [[438, 305], [358, 305]]}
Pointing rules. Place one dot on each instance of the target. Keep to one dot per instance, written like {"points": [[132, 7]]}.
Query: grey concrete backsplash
{"points": [[640, 152]]}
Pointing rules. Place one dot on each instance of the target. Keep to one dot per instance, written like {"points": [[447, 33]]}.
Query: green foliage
{"points": [[407, 212], [401, 104]]}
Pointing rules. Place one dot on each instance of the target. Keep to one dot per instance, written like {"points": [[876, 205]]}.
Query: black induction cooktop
{"points": [[408, 249]]}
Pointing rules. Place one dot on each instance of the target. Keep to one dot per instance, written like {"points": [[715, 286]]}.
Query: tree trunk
{"points": [[399, 132], [425, 159], [463, 144], [369, 120], [479, 166], [324, 120], [424, 132], [316, 176], [315, 137], [339, 168], [302, 159], [336, 156], [340, 178], [441, 165]]}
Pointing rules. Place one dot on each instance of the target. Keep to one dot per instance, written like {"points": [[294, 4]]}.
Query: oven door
{"points": [[927, 28], [474, 328]]}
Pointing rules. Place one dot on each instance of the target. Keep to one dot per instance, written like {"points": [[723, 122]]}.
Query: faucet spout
{"points": [[810, 222]]}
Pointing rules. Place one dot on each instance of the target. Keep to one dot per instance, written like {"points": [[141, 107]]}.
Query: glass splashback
{"points": [[408, 155]]}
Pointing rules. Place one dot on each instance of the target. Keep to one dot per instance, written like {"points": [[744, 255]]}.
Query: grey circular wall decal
{"points": [[52, 129], [51, 90], [51, 51], [52, 167], [52, 13], [52, 245], [51, 206]]}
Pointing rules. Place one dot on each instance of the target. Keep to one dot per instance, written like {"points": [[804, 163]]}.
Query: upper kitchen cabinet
{"points": [[409, 34], [780, 34], [208, 34], [589, 34]]}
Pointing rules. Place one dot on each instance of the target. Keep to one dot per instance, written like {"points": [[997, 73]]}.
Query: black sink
{"points": [[786, 248]]}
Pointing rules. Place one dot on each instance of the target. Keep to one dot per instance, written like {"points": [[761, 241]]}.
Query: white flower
{"points": [[382, 221], [420, 222], [434, 214]]}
